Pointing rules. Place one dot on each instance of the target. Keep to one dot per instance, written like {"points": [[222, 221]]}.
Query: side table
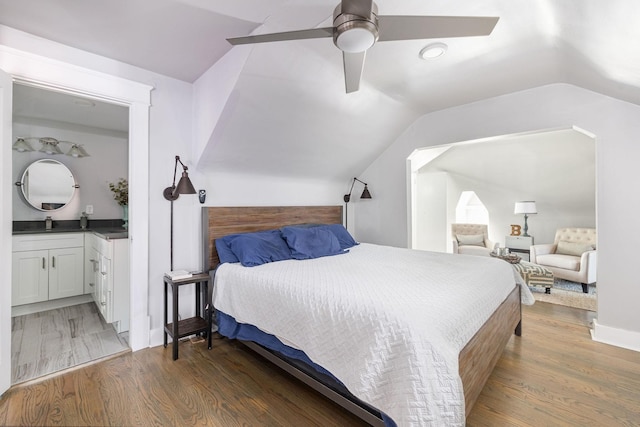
{"points": [[520, 245], [198, 324]]}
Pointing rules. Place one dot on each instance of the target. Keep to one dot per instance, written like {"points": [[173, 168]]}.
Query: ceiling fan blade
{"points": [[357, 7], [314, 33], [353, 66], [429, 27]]}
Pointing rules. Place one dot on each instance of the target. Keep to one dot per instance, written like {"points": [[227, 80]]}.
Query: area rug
{"points": [[567, 293], [54, 340]]}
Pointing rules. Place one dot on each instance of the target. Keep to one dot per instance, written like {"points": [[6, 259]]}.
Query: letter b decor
{"points": [[515, 229]]}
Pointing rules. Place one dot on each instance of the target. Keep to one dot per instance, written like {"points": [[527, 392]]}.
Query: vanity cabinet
{"points": [[47, 267], [107, 278]]}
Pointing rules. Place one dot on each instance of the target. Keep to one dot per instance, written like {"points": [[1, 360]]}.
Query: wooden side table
{"points": [[198, 324]]}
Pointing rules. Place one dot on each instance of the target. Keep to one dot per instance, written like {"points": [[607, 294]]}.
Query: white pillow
{"points": [[470, 239], [573, 248]]}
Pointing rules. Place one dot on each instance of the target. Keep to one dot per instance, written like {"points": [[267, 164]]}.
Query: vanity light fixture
{"points": [[50, 146], [77, 150], [172, 193], [433, 51], [21, 145]]}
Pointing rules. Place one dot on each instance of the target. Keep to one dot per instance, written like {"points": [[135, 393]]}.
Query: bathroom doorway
{"points": [[91, 138]]}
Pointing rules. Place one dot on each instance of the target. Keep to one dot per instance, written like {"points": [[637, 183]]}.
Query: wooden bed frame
{"points": [[476, 360]]}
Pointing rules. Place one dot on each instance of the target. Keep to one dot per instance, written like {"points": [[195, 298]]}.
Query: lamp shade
{"points": [[526, 207], [365, 193], [21, 145], [184, 185]]}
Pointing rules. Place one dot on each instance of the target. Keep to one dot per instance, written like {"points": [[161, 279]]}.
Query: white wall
{"points": [[169, 133], [616, 127], [107, 162]]}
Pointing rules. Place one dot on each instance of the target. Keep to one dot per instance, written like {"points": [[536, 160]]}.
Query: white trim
{"points": [[614, 336], [53, 74], [56, 75]]}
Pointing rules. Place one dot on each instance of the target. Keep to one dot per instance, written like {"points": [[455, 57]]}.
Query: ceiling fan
{"points": [[357, 26]]}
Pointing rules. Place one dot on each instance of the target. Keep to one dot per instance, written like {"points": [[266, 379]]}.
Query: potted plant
{"points": [[120, 190]]}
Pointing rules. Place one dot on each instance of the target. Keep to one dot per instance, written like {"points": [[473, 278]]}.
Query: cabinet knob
{"points": [[91, 284]]}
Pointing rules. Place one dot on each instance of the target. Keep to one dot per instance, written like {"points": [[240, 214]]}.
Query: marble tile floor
{"points": [[54, 340]]}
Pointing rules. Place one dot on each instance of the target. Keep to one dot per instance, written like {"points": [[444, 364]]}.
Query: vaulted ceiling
{"points": [[289, 96]]}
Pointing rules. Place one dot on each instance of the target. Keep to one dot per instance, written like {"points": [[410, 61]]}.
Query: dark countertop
{"points": [[105, 228]]}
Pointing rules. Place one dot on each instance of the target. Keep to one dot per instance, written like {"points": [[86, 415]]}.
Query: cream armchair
{"points": [[471, 239], [572, 256]]}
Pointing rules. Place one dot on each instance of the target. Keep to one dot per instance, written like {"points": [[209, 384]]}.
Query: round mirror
{"points": [[47, 185]]}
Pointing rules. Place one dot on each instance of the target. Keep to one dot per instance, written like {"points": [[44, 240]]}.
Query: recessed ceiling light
{"points": [[433, 50]]}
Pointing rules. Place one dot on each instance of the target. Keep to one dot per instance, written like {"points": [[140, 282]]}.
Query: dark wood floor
{"points": [[555, 375]]}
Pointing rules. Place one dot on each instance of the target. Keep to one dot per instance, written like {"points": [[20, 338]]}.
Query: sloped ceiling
{"points": [[289, 103], [534, 165]]}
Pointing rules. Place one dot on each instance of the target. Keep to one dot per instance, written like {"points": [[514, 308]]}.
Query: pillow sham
{"points": [[342, 234], [225, 254], [313, 242], [573, 248], [257, 249], [470, 239], [269, 246]]}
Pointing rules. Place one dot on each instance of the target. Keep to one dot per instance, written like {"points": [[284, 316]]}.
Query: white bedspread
{"points": [[387, 322]]}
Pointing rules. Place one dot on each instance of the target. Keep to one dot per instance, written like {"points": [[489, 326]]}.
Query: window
{"points": [[470, 209]]}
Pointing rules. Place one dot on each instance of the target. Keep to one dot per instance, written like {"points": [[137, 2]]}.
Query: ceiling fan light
{"points": [[355, 40], [433, 50]]}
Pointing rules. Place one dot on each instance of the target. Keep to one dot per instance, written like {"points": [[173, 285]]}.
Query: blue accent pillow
{"points": [[269, 246], [344, 237], [342, 234], [225, 254], [314, 242]]}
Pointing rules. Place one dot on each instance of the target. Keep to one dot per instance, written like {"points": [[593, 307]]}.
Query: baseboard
{"points": [[37, 307], [614, 336]]}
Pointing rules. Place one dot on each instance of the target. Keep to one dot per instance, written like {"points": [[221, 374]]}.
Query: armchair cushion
{"points": [[470, 239], [573, 248], [566, 262]]}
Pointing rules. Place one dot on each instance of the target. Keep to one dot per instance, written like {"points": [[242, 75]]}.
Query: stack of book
{"points": [[178, 274]]}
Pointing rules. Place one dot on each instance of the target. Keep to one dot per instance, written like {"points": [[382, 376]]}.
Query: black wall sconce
{"points": [[172, 193], [347, 198]]}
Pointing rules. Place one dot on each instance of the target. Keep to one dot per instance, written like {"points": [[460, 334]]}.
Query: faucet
{"points": [[48, 222]]}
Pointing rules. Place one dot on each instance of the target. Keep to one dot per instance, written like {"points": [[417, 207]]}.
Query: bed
{"points": [[350, 347]]}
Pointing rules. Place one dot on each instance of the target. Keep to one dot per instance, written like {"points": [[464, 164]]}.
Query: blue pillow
{"points": [[253, 249], [314, 242], [225, 254], [223, 244], [344, 238]]}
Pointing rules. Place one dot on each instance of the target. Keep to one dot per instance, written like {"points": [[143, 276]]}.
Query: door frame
{"points": [[34, 70]]}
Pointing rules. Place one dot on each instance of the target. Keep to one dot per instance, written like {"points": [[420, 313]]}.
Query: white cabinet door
{"points": [[66, 272], [91, 272], [29, 277]]}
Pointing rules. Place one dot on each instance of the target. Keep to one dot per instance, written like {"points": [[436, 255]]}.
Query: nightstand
{"points": [[200, 323], [520, 245]]}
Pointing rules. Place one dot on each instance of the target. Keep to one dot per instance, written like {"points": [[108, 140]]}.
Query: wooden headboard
{"points": [[221, 221]]}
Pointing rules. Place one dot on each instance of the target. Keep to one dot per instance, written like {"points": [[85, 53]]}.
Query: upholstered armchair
{"points": [[572, 256], [471, 239]]}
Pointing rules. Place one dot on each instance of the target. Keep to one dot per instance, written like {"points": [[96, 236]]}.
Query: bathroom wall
{"points": [[107, 162]]}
